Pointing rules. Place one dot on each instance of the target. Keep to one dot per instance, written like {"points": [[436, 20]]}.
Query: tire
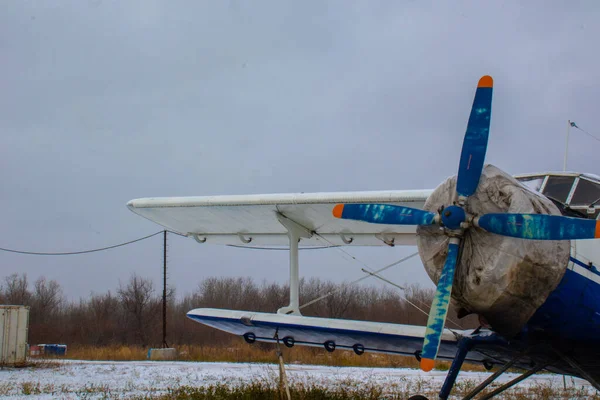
{"points": [[417, 397], [288, 341]]}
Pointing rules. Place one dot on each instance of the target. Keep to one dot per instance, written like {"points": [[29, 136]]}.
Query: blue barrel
{"points": [[55, 349]]}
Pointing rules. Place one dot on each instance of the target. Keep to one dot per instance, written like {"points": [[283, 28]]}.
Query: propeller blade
{"points": [[476, 138], [539, 226], [384, 214], [439, 308]]}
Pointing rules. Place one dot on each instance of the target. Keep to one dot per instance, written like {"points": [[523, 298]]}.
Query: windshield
{"points": [[559, 187], [534, 183], [586, 193]]}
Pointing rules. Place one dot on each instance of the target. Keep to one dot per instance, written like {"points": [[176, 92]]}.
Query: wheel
{"points": [[249, 337], [289, 341], [329, 345], [417, 397], [359, 349]]}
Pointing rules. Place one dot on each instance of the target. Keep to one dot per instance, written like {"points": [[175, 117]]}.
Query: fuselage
{"points": [[572, 310]]}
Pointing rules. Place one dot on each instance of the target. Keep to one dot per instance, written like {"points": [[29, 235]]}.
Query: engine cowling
{"points": [[503, 279]]}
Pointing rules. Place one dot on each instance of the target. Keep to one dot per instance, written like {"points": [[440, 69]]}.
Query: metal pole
{"points": [[567, 145], [164, 300]]}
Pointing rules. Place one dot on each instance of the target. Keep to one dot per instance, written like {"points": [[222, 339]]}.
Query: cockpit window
{"points": [[533, 183], [559, 187], [586, 193]]}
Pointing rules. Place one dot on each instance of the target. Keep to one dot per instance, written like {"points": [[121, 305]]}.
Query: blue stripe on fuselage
{"points": [[590, 266], [572, 309]]}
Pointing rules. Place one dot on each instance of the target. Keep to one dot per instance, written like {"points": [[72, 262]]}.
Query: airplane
{"points": [[513, 250]]}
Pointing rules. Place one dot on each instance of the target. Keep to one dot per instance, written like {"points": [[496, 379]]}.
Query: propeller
{"points": [[476, 139], [384, 214], [539, 226], [455, 220]]}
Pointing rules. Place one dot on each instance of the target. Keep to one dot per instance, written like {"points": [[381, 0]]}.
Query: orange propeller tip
{"points": [[427, 364], [338, 210], [486, 81]]}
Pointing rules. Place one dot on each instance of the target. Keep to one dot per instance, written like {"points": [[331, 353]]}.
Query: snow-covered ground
{"points": [[102, 379]]}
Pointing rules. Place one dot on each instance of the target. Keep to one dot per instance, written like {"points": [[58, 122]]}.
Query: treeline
{"points": [[132, 314]]}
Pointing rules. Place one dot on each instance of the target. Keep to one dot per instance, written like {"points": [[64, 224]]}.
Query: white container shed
{"points": [[14, 327]]}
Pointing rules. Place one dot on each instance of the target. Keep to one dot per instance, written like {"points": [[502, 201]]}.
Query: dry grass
{"points": [[354, 391], [269, 390], [239, 351], [107, 353]]}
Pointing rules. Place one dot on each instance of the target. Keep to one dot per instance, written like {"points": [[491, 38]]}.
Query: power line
{"points": [[572, 124], [589, 134], [34, 253], [362, 278]]}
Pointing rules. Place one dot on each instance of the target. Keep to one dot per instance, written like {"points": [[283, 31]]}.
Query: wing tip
{"points": [[427, 364], [338, 210], [485, 81]]}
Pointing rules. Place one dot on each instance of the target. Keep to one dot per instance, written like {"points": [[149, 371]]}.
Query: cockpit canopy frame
{"points": [[576, 192]]}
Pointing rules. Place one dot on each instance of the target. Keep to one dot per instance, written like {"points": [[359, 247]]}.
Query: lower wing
{"points": [[332, 334]]}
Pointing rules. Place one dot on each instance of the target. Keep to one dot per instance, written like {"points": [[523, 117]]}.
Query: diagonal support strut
{"points": [[295, 232]]}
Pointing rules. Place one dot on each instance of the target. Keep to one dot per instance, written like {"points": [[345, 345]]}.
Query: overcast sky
{"points": [[105, 101]]}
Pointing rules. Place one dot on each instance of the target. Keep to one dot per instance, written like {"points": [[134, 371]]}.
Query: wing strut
{"points": [[295, 231]]}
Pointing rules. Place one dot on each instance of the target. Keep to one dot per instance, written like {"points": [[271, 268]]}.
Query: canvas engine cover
{"points": [[503, 279]]}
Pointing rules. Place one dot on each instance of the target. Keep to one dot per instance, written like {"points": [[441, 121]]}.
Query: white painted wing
{"points": [[236, 219], [312, 331]]}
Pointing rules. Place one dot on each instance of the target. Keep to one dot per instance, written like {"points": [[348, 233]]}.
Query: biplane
{"points": [[514, 250]]}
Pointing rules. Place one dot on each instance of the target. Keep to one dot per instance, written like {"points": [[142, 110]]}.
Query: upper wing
{"points": [[238, 219]]}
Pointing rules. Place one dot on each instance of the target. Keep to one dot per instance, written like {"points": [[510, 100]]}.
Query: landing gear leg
{"points": [[464, 345]]}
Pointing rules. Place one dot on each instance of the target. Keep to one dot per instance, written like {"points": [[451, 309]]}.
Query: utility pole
{"points": [[164, 304], [567, 145]]}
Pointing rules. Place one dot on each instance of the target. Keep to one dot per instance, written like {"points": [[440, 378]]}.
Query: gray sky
{"points": [[105, 101]]}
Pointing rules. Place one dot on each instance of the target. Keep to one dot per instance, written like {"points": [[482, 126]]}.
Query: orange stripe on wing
{"points": [[597, 233], [486, 81], [338, 210]]}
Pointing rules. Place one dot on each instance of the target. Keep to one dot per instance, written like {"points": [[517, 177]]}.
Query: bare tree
{"points": [[238, 293], [16, 290], [103, 313], [46, 299], [132, 316], [137, 301]]}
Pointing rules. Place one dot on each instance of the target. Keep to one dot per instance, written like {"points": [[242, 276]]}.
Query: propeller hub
{"points": [[453, 216]]}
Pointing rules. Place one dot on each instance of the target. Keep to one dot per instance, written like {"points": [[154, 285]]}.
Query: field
{"points": [[71, 379], [239, 351]]}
